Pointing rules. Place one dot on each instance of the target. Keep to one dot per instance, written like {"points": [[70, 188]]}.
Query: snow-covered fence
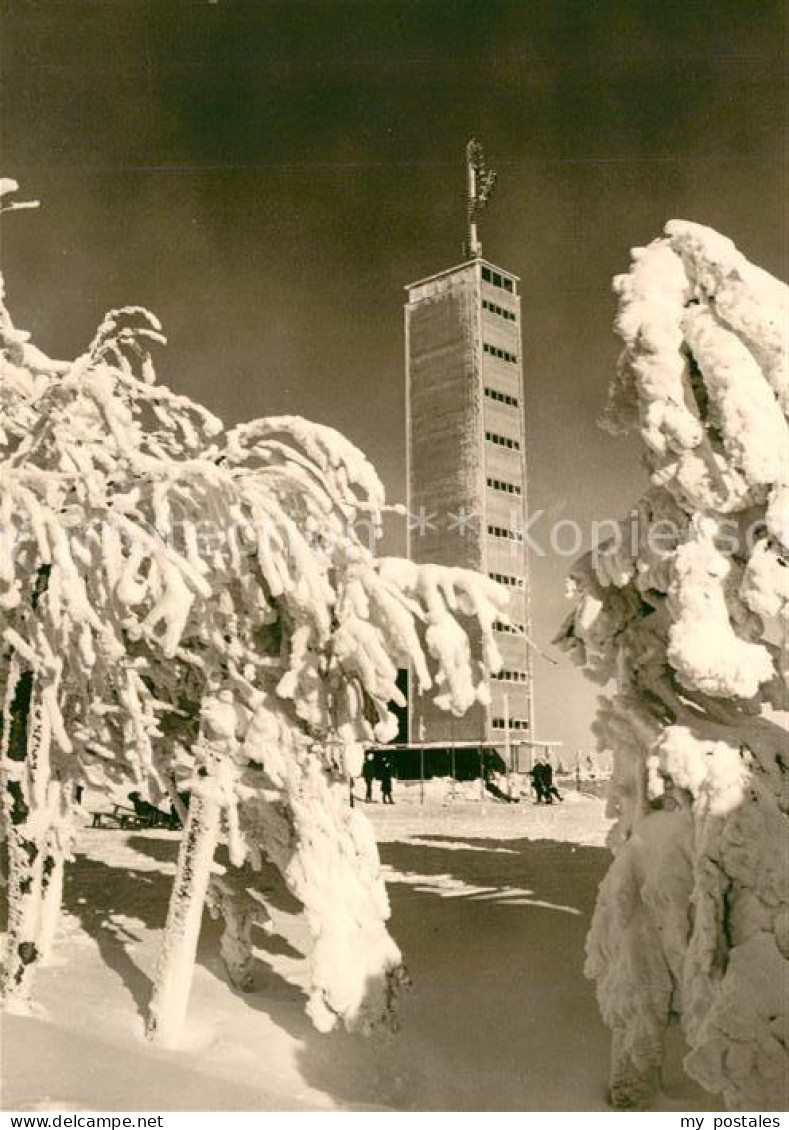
{"points": [[690, 619]]}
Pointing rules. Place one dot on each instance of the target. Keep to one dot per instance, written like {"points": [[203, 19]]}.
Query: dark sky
{"points": [[267, 175]]}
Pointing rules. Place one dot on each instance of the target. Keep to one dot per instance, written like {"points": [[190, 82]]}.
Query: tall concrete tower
{"points": [[466, 459]]}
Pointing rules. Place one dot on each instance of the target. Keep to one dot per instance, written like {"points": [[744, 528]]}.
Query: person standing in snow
{"points": [[537, 781], [368, 772], [549, 789], [386, 779]]}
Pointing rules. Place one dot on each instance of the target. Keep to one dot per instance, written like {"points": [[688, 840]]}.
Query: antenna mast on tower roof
{"points": [[480, 181]]}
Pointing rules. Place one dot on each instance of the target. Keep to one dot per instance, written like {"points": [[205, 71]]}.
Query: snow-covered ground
{"points": [[490, 904]]}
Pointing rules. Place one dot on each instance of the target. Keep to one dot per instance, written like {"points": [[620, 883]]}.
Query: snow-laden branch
{"points": [[189, 606]]}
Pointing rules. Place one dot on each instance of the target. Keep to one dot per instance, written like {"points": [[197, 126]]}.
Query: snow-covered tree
{"points": [[691, 620], [185, 605]]}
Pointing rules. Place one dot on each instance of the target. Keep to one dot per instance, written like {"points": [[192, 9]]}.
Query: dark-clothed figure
{"points": [[368, 772], [537, 781], [386, 779], [550, 789], [147, 812], [542, 779]]}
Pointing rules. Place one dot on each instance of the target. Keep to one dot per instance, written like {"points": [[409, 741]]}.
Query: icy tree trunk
{"points": [[635, 1078], [34, 871], [235, 947], [177, 804], [51, 902], [182, 931], [60, 840], [229, 898], [326, 853], [35, 891]]}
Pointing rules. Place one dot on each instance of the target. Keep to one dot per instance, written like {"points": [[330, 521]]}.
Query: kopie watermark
{"points": [[566, 537], [539, 536]]}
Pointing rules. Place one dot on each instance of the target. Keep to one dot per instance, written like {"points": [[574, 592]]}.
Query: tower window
{"points": [[497, 280], [500, 311], [502, 354], [501, 397], [511, 677], [503, 532], [509, 629], [502, 441], [507, 579], [504, 487]]}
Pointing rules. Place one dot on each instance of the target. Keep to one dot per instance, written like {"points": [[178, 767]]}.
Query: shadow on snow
{"points": [[499, 1018]]}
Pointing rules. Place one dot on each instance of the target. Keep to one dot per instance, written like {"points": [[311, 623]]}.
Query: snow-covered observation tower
{"points": [[466, 459]]}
